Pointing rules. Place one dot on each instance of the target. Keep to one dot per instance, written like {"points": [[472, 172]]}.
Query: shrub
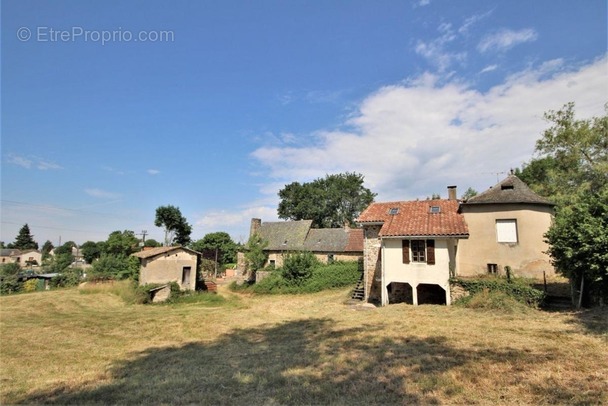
{"points": [[110, 266], [517, 288], [493, 300], [31, 285], [68, 277], [298, 267], [9, 278]]}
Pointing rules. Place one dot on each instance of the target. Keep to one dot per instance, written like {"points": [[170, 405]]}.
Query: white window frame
{"points": [[506, 231]]}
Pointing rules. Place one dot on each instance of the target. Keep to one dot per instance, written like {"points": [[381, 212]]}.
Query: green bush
{"points": [[31, 285], [68, 277], [517, 288], [9, 279], [323, 277], [111, 266], [495, 300], [298, 267]]}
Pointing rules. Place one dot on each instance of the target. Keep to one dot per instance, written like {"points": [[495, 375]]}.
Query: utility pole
{"points": [[143, 238]]}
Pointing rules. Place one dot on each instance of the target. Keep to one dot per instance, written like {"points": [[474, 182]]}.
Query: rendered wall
{"points": [[526, 257], [168, 268]]}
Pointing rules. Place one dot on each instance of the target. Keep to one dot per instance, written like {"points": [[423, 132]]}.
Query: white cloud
{"points": [[505, 39], [435, 51], [153, 171], [489, 68], [102, 194], [32, 162], [412, 140]]}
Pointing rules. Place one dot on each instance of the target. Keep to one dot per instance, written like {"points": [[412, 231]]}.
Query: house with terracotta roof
{"points": [[410, 249], [169, 264], [507, 224], [327, 244]]}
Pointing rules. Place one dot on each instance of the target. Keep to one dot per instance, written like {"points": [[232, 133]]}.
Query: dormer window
{"points": [[435, 209], [506, 187], [393, 211]]}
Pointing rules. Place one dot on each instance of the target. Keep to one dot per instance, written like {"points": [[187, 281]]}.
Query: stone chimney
{"points": [[452, 193], [255, 226]]}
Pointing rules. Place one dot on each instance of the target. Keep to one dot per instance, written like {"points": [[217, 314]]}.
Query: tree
{"points": [[255, 256], [121, 243], [115, 267], [298, 266], [572, 170], [470, 192], [219, 242], [329, 202], [152, 243], [91, 251], [9, 278], [47, 247], [175, 225], [62, 258], [25, 240]]}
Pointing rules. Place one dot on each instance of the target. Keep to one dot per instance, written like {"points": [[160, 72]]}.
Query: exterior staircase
{"points": [[359, 291]]}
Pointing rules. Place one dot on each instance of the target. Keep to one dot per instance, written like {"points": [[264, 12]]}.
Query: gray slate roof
{"points": [[510, 190], [299, 236], [162, 250]]}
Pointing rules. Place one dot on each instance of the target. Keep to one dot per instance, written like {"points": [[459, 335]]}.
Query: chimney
{"points": [[255, 226], [452, 193]]}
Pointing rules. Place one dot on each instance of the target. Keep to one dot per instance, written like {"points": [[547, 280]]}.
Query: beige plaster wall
{"points": [[168, 268], [526, 257], [416, 273]]}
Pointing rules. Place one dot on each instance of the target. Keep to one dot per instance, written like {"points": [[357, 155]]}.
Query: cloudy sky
{"points": [[111, 109]]}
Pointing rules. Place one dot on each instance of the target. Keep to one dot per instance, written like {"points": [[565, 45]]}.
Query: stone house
{"points": [[169, 264], [327, 244], [507, 224], [410, 250], [21, 257]]}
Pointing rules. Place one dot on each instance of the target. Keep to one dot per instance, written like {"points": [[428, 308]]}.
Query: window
{"points": [[435, 209], [492, 269], [506, 231], [393, 211], [272, 263], [418, 251], [330, 258], [421, 251]]}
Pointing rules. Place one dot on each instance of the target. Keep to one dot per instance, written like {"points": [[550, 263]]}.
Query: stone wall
{"points": [[372, 263]]}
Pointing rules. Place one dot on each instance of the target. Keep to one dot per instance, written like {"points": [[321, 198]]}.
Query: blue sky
{"points": [[111, 109]]}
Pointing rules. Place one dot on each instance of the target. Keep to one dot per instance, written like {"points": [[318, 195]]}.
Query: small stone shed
{"points": [[169, 264]]}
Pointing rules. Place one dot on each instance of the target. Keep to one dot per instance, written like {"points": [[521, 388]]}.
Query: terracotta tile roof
{"points": [[415, 218], [510, 190], [161, 250], [355, 241]]}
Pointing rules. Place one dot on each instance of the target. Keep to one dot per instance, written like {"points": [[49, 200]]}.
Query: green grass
{"points": [[66, 347]]}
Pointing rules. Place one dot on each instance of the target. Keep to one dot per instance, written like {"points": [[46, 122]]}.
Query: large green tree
{"points": [[329, 202], [217, 245], [91, 251], [255, 256], [121, 243], [176, 227], [572, 169], [24, 240]]}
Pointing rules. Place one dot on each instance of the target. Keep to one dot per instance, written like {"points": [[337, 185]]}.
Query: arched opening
{"points": [[430, 294], [400, 293]]}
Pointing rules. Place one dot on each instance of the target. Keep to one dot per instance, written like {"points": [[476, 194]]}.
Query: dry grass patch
{"points": [[66, 347]]}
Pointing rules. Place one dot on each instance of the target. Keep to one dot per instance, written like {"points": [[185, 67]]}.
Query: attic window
{"points": [[435, 209], [285, 242], [506, 187], [393, 211]]}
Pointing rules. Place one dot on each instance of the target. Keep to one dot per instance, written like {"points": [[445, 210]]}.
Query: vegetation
{"points": [[329, 202], [518, 289], [255, 257], [24, 240], [301, 349], [572, 170], [177, 229], [114, 267], [322, 277], [217, 245]]}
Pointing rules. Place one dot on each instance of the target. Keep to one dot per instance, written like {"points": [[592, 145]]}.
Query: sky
{"points": [[111, 109]]}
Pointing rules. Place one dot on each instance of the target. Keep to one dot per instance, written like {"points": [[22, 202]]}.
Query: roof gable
{"points": [[421, 218], [509, 190], [162, 250]]}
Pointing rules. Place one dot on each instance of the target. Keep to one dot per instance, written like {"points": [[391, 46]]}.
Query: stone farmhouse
{"points": [[327, 244], [412, 248], [21, 257]]}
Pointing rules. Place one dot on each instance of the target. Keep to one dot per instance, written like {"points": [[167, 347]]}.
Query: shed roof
{"points": [[509, 190], [418, 218], [162, 250]]}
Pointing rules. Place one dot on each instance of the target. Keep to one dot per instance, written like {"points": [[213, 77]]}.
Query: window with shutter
{"points": [[405, 250], [506, 230], [418, 251], [430, 252]]}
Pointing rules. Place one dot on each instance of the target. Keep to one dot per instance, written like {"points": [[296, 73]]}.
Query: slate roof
{"points": [[161, 250], [415, 218], [510, 190], [299, 236]]}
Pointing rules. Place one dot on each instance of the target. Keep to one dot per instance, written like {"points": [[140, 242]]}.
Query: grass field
{"points": [[67, 347]]}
